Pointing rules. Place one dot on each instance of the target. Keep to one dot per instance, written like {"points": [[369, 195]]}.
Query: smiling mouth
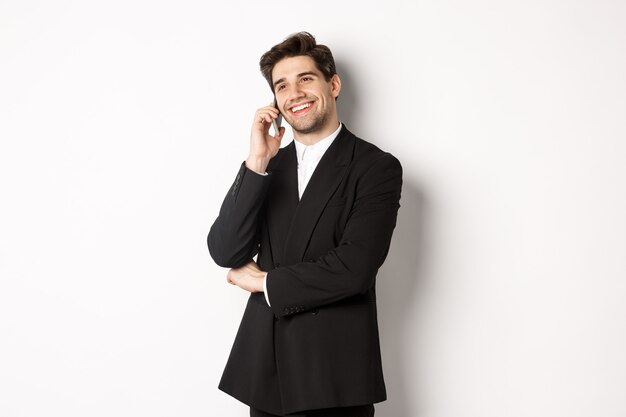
{"points": [[301, 108]]}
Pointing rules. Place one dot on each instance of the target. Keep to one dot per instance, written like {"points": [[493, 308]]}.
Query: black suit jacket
{"points": [[317, 346]]}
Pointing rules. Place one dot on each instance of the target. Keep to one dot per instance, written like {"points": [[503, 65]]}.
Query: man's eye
{"points": [[280, 87]]}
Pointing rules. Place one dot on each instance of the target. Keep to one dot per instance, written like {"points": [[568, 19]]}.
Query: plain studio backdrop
{"points": [[123, 124]]}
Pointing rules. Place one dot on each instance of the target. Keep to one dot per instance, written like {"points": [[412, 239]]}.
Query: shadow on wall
{"points": [[398, 293], [347, 103], [400, 277]]}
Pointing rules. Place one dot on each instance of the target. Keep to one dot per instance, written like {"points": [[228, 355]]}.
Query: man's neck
{"points": [[312, 138]]}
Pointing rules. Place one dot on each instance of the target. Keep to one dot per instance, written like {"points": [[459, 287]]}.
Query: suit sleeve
{"points": [[351, 267], [234, 239]]}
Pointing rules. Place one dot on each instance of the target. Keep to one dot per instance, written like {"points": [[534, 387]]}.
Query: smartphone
{"points": [[278, 121]]}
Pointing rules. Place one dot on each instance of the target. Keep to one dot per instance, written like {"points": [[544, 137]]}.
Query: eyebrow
{"points": [[302, 74]]}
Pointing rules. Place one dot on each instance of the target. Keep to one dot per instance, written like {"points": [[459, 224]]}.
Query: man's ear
{"points": [[335, 85]]}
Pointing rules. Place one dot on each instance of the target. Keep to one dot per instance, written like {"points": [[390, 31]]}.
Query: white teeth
{"points": [[300, 107]]}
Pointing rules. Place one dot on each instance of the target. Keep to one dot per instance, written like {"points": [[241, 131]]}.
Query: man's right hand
{"points": [[263, 146]]}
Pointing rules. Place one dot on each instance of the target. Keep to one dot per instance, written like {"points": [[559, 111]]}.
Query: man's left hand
{"points": [[248, 277]]}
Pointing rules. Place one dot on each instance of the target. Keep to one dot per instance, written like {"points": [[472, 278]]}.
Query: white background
{"points": [[123, 124]]}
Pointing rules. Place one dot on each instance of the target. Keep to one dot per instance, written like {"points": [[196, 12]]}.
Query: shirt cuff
{"points": [[264, 174], [265, 290]]}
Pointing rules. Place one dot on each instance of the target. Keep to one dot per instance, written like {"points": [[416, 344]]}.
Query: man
{"points": [[319, 213]]}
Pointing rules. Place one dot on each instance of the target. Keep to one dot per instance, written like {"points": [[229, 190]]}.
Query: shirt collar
{"points": [[318, 148]]}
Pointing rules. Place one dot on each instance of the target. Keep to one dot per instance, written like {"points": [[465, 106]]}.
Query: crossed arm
{"points": [[346, 270]]}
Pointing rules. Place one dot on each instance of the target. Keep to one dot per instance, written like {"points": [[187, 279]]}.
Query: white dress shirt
{"points": [[308, 157]]}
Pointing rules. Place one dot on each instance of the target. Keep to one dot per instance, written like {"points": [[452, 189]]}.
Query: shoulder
{"points": [[370, 157]]}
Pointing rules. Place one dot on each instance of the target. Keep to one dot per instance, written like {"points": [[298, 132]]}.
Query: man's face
{"points": [[305, 98]]}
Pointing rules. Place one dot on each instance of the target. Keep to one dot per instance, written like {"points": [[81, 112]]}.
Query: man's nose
{"points": [[295, 94]]}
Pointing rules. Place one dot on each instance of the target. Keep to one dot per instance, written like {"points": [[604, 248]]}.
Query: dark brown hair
{"points": [[301, 43]]}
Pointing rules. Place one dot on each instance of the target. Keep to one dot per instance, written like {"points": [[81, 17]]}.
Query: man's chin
{"points": [[306, 128]]}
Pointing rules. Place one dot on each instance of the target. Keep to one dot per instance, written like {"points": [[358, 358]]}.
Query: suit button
{"points": [[314, 311]]}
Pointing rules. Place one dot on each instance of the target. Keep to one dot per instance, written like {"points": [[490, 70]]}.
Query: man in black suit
{"points": [[319, 213]]}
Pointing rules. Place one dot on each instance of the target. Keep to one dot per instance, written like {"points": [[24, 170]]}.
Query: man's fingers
{"points": [[230, 276], [266, 113], [245, 277], [271, 109], [270, 116]]}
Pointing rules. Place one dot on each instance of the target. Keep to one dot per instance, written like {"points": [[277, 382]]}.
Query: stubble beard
{"points": [[311, 125]]}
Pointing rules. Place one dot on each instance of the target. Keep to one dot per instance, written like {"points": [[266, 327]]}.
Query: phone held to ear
{"points": [[278, 121]]}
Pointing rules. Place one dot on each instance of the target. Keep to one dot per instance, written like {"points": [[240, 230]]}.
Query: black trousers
{"points": [[357, 411]]}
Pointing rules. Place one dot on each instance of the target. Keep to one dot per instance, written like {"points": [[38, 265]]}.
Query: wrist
{"points": [[257, 164]]}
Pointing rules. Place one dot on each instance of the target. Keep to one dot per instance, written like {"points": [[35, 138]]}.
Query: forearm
{"points": [[351, 267], [233, 237], [343, 272]]}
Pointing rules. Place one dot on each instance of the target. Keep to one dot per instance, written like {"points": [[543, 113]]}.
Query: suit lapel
{"points": [[323, 183]]}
